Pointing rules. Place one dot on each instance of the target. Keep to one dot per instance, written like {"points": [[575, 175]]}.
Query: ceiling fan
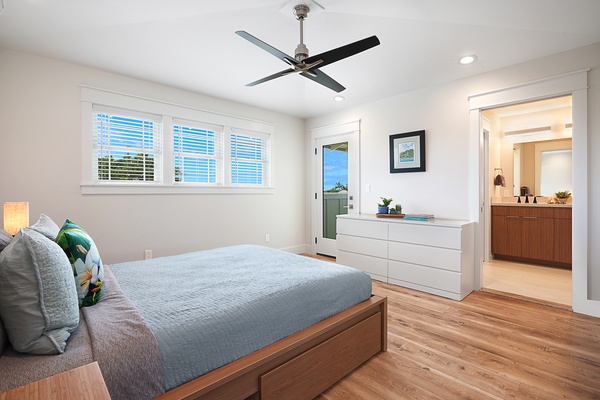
{"points": [[309, 66]]}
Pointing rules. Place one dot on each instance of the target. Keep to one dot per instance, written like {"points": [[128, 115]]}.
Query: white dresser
{"points": [[432, 256]]}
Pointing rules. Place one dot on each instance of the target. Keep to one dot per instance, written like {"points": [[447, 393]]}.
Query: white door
{"points": [[336, 187]]}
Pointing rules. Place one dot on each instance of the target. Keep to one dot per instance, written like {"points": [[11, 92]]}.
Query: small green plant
{"points": [[563, 195], [385, 202], [399, 208]]}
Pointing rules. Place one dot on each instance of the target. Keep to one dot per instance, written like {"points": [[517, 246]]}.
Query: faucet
{"points": [[527, 199], [518, 199], [535, 199]]}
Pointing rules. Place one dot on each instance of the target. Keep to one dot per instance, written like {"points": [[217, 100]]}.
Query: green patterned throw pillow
{"points": [[85, 259]]}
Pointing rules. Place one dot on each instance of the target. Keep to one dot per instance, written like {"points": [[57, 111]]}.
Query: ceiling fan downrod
{"points": [[301, 13]]}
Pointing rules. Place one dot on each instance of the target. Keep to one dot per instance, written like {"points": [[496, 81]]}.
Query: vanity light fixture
{"points": [[470, 59], [339, 98], [16, 216], [529, 131]]}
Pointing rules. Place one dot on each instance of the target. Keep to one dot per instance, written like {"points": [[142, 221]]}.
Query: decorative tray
{"points": [[389, 215]]}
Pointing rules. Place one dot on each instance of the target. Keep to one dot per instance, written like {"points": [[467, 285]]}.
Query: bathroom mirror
{"points": [[531, 144], [544, 167]]}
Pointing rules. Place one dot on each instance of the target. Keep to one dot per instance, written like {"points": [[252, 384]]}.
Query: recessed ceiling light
{"points": [[470, 59], [339, 98]]}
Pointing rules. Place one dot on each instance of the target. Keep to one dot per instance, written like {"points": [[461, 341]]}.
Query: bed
{"points": [[242, 322]]}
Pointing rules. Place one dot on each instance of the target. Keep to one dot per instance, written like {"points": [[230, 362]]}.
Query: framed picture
{"points": [[407, 152]]}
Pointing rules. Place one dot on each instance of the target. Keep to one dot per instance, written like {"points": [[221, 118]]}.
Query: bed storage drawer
{"points": [[309, 374]]}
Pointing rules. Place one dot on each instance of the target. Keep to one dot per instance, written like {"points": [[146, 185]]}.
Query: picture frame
{"points": [[407, 152]]}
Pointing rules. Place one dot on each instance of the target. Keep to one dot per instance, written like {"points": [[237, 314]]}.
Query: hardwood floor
{"points": [[485, 347], [544, 284]]}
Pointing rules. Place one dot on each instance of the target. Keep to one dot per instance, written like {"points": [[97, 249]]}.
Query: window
{"points": [[136, 145], [250, 159], [126, 147], [198, 156]]}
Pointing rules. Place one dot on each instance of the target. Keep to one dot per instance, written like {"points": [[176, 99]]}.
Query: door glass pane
{"points": [[335, 185]]}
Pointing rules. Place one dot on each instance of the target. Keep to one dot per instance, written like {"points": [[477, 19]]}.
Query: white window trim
{"points": [[91, 95]]}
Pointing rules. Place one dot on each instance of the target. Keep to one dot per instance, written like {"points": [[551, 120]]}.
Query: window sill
{"points": [[91, 189]]}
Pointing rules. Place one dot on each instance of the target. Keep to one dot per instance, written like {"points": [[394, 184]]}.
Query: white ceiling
{"points": [[191, 44]]}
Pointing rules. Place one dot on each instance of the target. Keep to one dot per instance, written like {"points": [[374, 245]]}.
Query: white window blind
{"points": [[250, 158], [127, 146], [198, 154]]}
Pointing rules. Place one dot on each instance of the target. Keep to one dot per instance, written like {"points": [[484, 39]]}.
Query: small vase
{"points": [[382, 210]]}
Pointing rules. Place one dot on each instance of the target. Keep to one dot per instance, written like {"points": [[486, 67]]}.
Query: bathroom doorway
{"points": [[529, 161]]}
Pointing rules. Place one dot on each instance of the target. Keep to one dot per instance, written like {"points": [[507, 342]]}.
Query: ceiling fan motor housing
{"points": [[301, 12]]}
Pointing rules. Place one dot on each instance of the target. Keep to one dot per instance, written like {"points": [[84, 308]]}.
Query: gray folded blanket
{"points": [[123, 345]]}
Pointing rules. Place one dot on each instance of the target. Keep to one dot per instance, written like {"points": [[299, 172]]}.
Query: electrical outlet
{"points": [[368, 188], [505, 192], [267, 238], [147, 254]]}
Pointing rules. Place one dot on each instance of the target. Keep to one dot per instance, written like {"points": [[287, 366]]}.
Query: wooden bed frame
{"points": [[300, 366]]}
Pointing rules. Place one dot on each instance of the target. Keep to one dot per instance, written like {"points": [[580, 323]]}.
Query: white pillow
{"points": [[46, 227], [38, 301]]}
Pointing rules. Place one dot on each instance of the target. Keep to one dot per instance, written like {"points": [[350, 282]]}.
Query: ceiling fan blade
{"points": [[340, 53], [324, 79], [267, 47], [271, 77]]}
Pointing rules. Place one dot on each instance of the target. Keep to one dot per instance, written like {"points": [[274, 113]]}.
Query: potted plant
{"points": [[398, 208], [563, 196], [383, 207]]}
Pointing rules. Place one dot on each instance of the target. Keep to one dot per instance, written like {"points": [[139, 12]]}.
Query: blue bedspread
{"points": [[209, 308]]}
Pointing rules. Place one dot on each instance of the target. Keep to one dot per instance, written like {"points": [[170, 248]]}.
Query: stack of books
{"points": [[419, 217]]}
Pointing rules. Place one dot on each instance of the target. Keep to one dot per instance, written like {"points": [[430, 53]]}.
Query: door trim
{"points": [[352, 127], [574, 84]]}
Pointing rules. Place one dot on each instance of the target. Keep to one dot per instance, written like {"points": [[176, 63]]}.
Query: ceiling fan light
{"points": [[339, 98], [470, 59]]}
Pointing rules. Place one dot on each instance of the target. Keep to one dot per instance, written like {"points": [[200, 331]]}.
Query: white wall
{"points": [[40, 147], [443, 112]]}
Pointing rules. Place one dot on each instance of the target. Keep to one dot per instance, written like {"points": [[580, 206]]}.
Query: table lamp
{"points": [[16, 216]]}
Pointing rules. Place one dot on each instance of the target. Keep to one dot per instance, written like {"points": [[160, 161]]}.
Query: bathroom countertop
{"points": [[532, 205]]}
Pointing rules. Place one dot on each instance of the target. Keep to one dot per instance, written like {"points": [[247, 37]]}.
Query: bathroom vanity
{"points": [[534, 233]]}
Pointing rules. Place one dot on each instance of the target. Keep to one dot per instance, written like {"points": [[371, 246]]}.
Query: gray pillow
{"points": [[2, 338], [38, 301], [46, 227], [5, 239]]}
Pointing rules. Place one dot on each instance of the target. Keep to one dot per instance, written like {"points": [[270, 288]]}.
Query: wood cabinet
{"points": [[432, 256], [540, 234]]}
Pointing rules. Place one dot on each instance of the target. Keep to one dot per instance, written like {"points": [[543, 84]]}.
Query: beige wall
{"points": [[443, 111], [40, 160]]}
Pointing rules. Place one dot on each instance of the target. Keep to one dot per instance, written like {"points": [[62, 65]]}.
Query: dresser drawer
{"points": [[377, 268], [435, 257], [447, 281], [426, 235], [367, 229], [369, 247]]}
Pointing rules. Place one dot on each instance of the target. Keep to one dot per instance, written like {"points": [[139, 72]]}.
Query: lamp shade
{"points": [[16, 216]]}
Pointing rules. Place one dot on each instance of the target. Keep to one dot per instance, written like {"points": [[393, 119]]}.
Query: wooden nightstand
{"points": [[83, 383]]}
